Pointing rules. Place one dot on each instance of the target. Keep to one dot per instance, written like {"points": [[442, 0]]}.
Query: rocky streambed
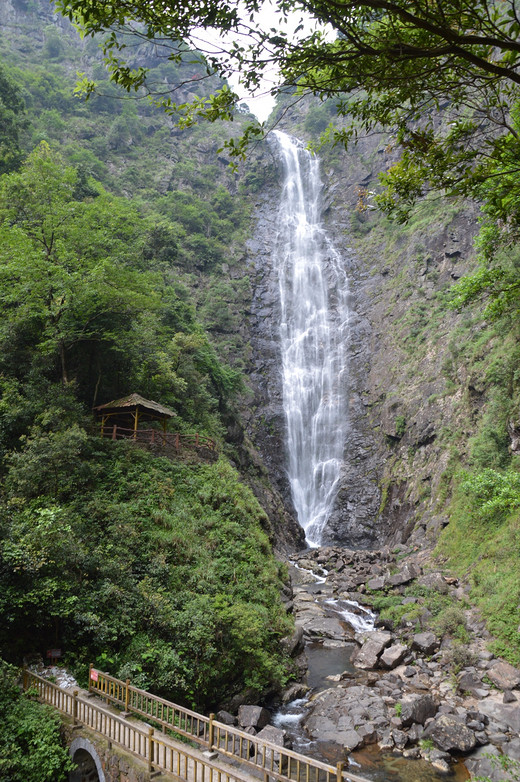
{"points": [[408, 692], [419, 681]]}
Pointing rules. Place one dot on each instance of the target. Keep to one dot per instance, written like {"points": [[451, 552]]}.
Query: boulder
{"points": [[435, 582], [294, 692], [323, 627], [426, 643], [469, 681], [352, 740], [293, 644], [374, 645], [407, 574], [415, 733], [400, 738], [225, 718], [368, 733], [512, 749], [506, 714], [393, 655], [253, 717], [417, 708], [484, 763], [273, 736], [450, 735], [376, 583], [334, 713], [504, 675], [440, 765], [386, 742]]}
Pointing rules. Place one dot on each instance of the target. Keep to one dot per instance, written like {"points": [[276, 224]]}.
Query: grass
{"points": [[482, 544]]}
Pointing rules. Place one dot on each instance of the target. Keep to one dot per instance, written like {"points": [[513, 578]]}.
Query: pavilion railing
{"points": [[154, 437]]}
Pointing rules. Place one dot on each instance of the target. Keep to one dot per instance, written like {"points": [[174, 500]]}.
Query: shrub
{"points": [[31, 745]]}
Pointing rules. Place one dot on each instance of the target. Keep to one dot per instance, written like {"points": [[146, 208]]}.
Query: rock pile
{"points": [[416, 691]]}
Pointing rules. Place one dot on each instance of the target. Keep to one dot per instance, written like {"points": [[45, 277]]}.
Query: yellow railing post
{"points": [[75, 707], [211, 730], [339, 772], [127, 695], [150, 750]]}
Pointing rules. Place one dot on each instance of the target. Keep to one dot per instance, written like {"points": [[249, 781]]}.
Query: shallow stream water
{"points": [[330, 658]]}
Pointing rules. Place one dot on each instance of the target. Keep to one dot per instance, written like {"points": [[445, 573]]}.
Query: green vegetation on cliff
{"points": [[119, 239], [157, 570], [482, 544], [449, 399]]}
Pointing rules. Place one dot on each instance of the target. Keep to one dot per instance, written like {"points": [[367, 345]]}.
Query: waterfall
{"points": [[314, 332]]}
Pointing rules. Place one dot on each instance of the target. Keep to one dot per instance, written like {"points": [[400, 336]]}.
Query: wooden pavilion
{"points": [[121, 417]]}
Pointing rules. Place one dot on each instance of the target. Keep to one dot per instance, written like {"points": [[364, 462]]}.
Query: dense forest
{"points": [[117, 235]]}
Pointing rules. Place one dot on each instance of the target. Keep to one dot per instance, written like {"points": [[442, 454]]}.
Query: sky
{"points": [[260, 103]]}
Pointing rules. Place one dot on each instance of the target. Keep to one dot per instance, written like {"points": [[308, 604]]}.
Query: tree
{"points": [[12, 122], [442, 78], [392, 63], [65, 280]]}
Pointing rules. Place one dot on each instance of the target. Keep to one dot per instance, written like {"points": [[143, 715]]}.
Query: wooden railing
{"points": [[159, 752], [166, 714], [156, 437], [257, 755]]}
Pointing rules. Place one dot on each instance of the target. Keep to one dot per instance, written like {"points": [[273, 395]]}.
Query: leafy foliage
{"points": [[492, 495], [100, 295], [482, 541], [160, 569], [389, 64], [12, 122], [31, 746], [78, 305]]}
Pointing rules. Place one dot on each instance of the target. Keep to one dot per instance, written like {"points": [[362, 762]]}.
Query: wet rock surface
{"points": [[395, 456]]}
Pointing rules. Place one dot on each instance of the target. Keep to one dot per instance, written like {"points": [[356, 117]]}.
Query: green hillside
{"points": [[119, 234]]}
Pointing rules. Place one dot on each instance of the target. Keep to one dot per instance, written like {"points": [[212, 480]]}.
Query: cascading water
{"points": [[314, 331]]}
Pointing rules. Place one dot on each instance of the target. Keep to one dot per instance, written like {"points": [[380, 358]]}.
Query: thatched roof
{"points": [[135, 400]]}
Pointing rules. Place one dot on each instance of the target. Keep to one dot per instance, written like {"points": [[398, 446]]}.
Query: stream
{"points": [[327, 658]]}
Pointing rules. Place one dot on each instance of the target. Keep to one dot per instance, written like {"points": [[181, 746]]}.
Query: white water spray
{"points": [[314, 331]]}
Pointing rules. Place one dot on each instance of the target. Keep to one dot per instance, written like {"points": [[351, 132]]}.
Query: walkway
{"points": [[160, 746]]}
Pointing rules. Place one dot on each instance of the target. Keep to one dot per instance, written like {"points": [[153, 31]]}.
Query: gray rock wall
{"points": [[353, 521], [400, 401]]}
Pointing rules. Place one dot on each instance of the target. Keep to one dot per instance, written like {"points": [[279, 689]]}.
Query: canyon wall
{"points": [[404, 402]]}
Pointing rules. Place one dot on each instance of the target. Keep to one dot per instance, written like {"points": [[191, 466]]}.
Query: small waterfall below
{"points": [[314, 332]]}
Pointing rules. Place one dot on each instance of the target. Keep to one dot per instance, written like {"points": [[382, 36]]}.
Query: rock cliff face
{"points": [[353, 520], [402, 403]]}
